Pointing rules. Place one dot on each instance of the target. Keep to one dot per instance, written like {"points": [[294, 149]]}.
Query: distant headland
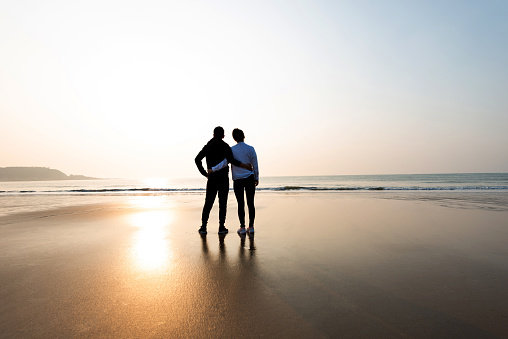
{"points": [[36, 174]]}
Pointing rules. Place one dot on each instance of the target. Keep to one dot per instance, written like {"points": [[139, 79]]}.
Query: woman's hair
{"points": [[238, 135]]}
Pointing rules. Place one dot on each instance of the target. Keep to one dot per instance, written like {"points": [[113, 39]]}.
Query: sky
{"points": [[134, 89]]}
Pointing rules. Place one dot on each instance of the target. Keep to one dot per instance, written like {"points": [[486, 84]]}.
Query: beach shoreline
{"points": [[320, 265]]}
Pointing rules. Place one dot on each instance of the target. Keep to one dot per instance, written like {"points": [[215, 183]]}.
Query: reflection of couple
{"points": [[245, 178]]}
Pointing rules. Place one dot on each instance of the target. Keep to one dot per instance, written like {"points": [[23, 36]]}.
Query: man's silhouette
{"points": [[218, 182]]}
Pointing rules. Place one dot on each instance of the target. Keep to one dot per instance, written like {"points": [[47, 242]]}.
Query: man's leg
{"points": [[250, 190], [211, 193], [238, 187], [223, 188]]}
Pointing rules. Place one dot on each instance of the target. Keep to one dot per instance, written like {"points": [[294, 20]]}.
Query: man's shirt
{"points": [[215, 151]]}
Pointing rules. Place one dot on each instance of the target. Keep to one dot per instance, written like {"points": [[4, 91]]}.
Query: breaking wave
{"points": [[146, 190]]}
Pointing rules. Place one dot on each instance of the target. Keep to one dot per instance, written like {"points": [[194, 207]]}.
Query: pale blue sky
{"points": [[135, 88]]}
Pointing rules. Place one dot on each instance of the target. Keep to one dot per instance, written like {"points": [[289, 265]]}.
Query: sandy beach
{"points": [[320, 265]]}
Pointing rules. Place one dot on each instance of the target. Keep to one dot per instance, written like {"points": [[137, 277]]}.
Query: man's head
{"points": [[238, 135], [218, 132]]}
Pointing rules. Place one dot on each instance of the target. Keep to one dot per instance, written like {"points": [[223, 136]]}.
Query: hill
{"points": [[36, 174]]}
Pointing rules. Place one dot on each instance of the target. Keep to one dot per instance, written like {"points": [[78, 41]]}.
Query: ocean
{"points": [[486, 189]]}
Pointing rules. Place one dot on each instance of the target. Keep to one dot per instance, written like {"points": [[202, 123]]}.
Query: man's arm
{"points": [[198, 159], [230, 158]]}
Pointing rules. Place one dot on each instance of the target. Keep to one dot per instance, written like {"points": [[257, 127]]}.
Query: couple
{"points": [[245, 178]]}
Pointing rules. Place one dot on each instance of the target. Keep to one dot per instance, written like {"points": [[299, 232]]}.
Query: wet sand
{"points": [[320, 265]]}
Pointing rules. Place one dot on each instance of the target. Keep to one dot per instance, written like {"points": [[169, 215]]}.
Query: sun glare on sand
{"points": [[151, 250]]}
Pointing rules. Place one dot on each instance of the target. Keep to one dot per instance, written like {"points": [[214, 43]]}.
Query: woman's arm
{"points": [[219, 166]]}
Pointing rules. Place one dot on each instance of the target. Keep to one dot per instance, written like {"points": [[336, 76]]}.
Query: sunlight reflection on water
{"points": [[151, 201], [151, 250]]}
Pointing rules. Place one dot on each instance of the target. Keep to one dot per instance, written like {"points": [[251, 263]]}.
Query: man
{"points": [[215, 151], [244, 179]]}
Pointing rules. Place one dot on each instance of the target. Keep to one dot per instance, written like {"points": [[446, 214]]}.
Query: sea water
{"points": [[402, 182], [489, 189]]}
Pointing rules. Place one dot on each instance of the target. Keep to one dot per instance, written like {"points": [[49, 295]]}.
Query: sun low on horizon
{"points": [[134, 89]]}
